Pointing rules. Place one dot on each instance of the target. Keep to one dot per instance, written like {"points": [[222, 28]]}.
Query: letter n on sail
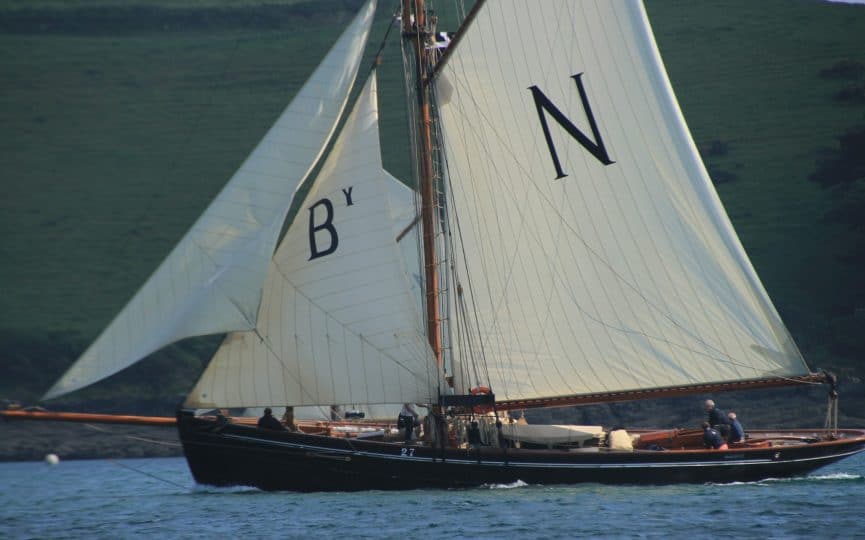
{"points": [[596, 147], [327, 226]]}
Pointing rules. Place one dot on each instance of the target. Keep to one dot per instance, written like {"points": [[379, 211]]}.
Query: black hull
{"points": [[231, 455]]}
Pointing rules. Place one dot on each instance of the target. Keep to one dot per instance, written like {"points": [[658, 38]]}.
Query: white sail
{"points": [[337, 324], [211, 281], [600, 256]]}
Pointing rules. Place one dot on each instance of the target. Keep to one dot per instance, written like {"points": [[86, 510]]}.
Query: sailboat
{"points": [[565, 247]]}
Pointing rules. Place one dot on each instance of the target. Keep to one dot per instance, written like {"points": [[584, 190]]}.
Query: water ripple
{"points": [[96, 499]]}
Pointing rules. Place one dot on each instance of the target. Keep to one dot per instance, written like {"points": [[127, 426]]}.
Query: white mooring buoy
{"points": [[52, 459]]}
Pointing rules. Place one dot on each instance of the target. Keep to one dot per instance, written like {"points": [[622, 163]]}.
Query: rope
{"points": [[460, 299], [145, 473], [133, 437], [133, 469], [393, 22], [831, 423]]}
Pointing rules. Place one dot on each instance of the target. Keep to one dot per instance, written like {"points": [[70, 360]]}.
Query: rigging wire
{"points": [[460, 298], [145, 473], [267, 343], [394, 21], [133, 437], [409, 66], [442, 179], [383, 354], [509, 265], [719, 355], [143, 439]]}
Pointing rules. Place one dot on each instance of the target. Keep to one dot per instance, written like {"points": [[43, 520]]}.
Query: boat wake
{"points": [[833, 477], [512, 485], [200, 489], [837, 476]]}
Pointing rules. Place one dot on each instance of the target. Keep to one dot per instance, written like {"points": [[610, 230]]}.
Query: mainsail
{"points": [[211, 281], [599, 256], [338, 323]]}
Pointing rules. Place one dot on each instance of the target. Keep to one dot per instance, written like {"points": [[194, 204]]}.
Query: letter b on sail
{"points": [[596, 147], [324, 227]]}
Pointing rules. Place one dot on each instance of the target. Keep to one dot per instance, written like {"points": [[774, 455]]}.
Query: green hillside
{"points": [[123, 119], [751, 78]]}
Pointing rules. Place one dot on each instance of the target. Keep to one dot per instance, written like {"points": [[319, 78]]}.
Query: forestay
{"points": [[338, 323], [211, 282], [600, 256]]}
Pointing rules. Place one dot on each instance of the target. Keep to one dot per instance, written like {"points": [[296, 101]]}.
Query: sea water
{"points": [[158, 498]]}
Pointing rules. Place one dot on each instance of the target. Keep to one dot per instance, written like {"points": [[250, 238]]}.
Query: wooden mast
{"points": [[418, 31]]}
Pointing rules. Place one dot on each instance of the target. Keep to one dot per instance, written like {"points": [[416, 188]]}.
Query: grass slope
{"points": [[748, 74]]}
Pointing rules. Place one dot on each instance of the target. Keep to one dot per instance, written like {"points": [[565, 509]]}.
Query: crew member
{"points": [[713, 439], [737, 433], [268, 421], [717, 418], [407, 420]]}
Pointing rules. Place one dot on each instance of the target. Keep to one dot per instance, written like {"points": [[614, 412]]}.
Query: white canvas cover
{"points": [[601, 257], [551, 434], [337, 324], [211, 282]]}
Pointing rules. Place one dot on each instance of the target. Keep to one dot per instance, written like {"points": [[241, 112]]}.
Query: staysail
{"points": [[211, 282], [338, 323], [599, 255]]}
